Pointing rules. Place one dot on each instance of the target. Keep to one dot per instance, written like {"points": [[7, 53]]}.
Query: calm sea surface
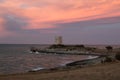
{"points": [[16, 58]]}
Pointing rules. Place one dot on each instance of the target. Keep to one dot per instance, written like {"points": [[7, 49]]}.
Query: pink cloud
{"points": [[1, 24], [3, 32], [45, 13]]}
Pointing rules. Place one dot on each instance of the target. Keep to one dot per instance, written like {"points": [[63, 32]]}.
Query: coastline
{"points": [[62, 67], [79, 64], [74, 73]]}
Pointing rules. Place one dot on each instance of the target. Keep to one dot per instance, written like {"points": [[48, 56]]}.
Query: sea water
{"points": [[16, 58]]}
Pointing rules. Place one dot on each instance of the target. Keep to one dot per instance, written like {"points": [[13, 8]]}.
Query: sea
{"points": [[17, 58]]}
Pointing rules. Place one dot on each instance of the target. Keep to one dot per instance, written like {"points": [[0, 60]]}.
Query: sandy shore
{"points": [[106, 71]]}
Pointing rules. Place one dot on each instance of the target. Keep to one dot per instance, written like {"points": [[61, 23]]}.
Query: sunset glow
{"points": [[48, 14]]}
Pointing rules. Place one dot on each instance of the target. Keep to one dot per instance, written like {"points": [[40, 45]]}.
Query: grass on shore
{"points": [[106, 71]]}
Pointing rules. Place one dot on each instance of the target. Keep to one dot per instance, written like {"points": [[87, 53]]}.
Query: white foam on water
{"points": [[38, 68], [92, 57]]}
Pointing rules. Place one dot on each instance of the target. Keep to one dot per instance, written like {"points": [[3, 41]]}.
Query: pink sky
{"points": [[45, 14]]}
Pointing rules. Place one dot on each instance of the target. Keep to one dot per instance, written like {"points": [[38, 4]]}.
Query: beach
{"points": [[107, 71], [17, 64]]}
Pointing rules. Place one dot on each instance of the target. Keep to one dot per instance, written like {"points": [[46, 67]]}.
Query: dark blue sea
{"points": [[16, 58]]}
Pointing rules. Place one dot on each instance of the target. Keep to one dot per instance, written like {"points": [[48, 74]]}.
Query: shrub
{"points": [[108, 59], [109, 48], [117, 56]]}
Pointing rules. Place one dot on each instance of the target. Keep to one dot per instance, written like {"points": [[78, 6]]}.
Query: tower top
{"points": [[58, 40]]}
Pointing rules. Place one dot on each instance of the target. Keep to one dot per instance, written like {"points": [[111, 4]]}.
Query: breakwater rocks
{"points": [[73, 52], [96, 58], [76, 64], [86, 62]]}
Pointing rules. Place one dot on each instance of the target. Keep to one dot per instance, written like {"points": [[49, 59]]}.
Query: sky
{"points": [[77, 21]]}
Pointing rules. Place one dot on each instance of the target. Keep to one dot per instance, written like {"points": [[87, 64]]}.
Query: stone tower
{"points": [[58, 40]]}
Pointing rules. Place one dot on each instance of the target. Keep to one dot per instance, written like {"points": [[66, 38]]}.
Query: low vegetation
{"points": [[117, 56], [106, 71]]}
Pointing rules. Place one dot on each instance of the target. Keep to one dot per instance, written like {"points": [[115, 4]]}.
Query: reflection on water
{"points": [[23, 63], [17, 59]]}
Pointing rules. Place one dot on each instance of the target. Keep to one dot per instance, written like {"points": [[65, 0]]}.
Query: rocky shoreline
{"points": [[75, 64]]}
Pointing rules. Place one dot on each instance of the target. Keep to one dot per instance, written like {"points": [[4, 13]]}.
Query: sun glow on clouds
{"points": [[3, 32], [1, 28], [1, 22], [42, 14]]}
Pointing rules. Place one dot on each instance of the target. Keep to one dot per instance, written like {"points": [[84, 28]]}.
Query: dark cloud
{"points": [[86, 23], [14, 23], [98, 31], [2, 0], [79, 26]]}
